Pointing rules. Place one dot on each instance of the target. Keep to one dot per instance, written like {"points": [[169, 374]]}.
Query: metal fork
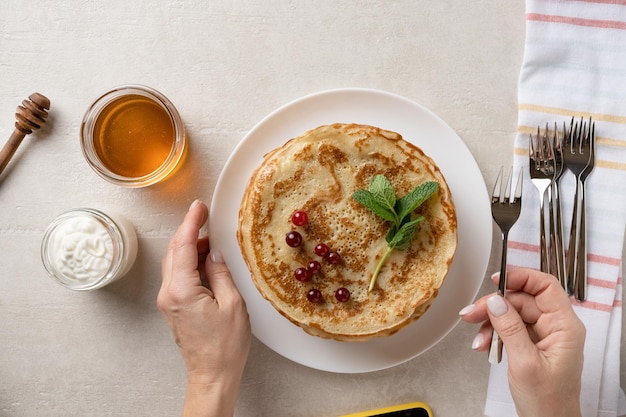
{"points": [[541, 167], [579, 156], [557, 253], [505, 212]]}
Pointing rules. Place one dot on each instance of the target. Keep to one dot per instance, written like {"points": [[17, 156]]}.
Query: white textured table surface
{"points": [[225, 65]]}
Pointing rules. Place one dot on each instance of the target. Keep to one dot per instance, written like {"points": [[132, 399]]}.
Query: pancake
{"points": [[317, 173]]}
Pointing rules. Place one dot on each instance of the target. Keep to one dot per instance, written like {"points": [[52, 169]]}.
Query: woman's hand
{"points": [[207, 317], [543, 338]]}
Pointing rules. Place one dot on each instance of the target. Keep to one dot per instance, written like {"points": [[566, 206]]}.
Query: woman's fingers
{"points": [[179, 267], [523, 303]]}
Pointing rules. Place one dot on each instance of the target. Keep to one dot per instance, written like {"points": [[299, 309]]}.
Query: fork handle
{"points": [[502, 281], [495, 350], [543, 246], [580, 286], [557, 255], [574, 241]]}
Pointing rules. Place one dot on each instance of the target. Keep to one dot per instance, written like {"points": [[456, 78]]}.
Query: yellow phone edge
{"points": [[400, 407]]}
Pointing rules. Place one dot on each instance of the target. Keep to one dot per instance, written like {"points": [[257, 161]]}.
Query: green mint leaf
{"points": [[367, 199], [394, 229], [402, 239], [383, 192], [405, 206]]}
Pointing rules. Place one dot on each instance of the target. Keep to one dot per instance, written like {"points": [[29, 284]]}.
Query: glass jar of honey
{"points": [[133, 136]]}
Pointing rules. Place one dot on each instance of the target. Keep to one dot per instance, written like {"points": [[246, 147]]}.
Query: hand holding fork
{"points": [[505, 212]]}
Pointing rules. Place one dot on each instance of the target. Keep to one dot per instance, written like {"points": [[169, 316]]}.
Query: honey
{"points": [[133, 136]]}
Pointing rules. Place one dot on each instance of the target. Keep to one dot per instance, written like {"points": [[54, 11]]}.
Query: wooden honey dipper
{"points": [[31, 115]]}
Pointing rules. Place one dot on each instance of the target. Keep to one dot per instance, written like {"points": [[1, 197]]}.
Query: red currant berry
{"points": [[333, 258], [302, 274], [293, 239], [299, 218], [342, 295], [321, 249], [314, 267], [314, 295]]}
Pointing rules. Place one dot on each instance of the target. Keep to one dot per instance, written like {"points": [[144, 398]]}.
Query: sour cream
{"points": [[85, 249]]}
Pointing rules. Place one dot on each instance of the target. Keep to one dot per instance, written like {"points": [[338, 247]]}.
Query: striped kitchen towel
{"points": [[575, 65]]}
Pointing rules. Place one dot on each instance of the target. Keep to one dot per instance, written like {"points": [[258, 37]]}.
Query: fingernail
{"points": [[467, 309], [216, 256], [495, 275], [496, 305], [478, 341], [195, 203]]}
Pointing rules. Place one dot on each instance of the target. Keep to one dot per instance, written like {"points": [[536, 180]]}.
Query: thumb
{"points": [[507, 322]]}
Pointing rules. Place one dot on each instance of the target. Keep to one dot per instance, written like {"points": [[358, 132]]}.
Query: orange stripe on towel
{"points": [[599, 163], [601, 259], [601, 283], [592, 305], [604, 24], [532, 130], [604, 259], [603, 117], [615, 2], [527, 247]]}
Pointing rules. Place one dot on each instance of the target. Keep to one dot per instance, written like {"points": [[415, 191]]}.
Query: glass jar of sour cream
{"points": [[85, 249]]}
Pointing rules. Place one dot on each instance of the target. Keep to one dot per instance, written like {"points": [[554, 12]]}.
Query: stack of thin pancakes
{"points": [[317, 173]]}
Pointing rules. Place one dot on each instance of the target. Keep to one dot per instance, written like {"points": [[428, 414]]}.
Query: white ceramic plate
{"points": [[416, 124]]}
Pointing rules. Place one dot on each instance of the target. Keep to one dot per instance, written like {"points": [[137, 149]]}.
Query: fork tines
{"points": [[541, 162], [502, 190]]}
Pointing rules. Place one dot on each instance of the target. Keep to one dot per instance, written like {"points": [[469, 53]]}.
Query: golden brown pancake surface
{"points": [[317, 173]]}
